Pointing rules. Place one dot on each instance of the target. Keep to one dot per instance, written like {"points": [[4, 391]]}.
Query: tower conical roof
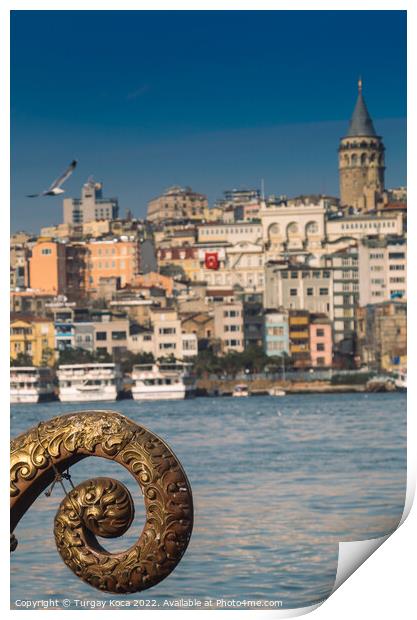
{"points": [[361, 123]]}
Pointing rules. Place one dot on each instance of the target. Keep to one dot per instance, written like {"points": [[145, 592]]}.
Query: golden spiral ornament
{"points": [[103, 507]]}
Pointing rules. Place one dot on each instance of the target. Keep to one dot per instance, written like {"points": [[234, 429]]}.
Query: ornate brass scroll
{"points": [[103, 506]]}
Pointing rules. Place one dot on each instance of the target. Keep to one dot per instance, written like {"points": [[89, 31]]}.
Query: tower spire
{"points": [[361, 123]]}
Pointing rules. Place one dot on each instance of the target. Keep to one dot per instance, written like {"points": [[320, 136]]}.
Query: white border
{"points": [[384, 586]]}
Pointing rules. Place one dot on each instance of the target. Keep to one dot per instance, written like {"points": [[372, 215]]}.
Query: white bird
{"points": [[56, 188]]}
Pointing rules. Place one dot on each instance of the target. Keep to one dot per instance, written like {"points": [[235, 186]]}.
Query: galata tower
{"points": [[361, 160]]}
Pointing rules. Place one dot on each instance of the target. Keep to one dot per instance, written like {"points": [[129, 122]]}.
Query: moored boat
{"points": [[89, 382], [401, 381], [162, 381], [31, 384], [277, 391], [240, 391]]}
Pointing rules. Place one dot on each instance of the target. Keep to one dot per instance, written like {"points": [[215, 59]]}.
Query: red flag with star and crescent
{"points": [[211, 260]]}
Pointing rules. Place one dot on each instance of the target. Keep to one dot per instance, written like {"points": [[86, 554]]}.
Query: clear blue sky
{"points": [[211, 99]]}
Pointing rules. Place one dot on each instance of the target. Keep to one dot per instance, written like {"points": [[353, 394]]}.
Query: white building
{"points": [[229, 232], [292, 228], [229, 265], [91, 206], [298, 287], [359, 226], [382, 270]]}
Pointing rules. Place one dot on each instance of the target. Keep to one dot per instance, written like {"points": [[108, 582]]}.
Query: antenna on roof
{"points": [[262, 189]]}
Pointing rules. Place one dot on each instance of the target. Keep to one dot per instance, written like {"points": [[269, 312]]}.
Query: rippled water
{"points": [[277, 483]]}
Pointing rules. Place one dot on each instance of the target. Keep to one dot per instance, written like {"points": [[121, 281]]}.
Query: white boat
{"points": [[89, 382], [241, 391], [401, 381], [31, 384], [159, 381], [276, 391]]}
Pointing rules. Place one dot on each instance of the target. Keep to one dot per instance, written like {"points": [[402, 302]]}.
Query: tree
{"points": [[47, 357], [22, 359], [128, 359], [82, 356]]}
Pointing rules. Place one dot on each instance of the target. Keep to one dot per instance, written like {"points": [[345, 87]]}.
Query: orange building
{"points": [[153, 279], [321, 341], [47, 267], [111, 258]]}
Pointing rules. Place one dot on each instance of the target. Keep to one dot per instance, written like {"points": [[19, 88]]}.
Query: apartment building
{"points": [[177, 203], [228, 326], [31, 302], [183, 260], [119, 258], [276, 333], [344, 267], [382, 335], [363, 225], [240, 265], [321, 341], [253, 320], [47, 267], [91, 206], [232, 233], [32, 336], [141, 340], [110, 332], [299, 337], [382, 270], [169, 337], [19, 261], [298, 287]]}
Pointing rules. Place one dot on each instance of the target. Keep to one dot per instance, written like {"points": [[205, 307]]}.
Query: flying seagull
{"points": [[56, 188]]}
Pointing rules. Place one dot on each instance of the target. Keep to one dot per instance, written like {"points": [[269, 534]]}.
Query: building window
{"points": [[101, 335], [46, 251], [167, 330], [118, 335], [320, 346], [324, 291], [320, 333], [310, 292], [293, 292]]}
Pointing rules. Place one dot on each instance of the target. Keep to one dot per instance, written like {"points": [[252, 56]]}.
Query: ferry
{"points": [[159, 381], [31, 384], [241, 391], [89, 382]]}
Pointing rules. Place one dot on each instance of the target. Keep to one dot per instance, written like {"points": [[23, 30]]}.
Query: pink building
{"points": [[321, 341]]}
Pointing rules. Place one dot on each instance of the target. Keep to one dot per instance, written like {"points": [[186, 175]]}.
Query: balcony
{"points": [[301, 335]]}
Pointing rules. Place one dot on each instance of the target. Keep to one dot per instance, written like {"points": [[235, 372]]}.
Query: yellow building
{"points": [[33, 336], [185, 259]]}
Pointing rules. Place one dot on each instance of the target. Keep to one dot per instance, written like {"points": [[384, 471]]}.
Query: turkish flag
{"points": [[211, 260]]}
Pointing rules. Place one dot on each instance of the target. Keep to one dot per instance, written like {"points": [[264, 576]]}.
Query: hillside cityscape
{"points": [[252, 284]]}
